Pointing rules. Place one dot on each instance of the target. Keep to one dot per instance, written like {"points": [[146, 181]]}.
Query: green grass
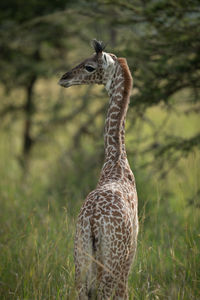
{"points": [[36, 246], [36, 257]]}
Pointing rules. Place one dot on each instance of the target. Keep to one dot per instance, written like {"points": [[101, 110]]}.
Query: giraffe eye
{"points": [[89, 68]]}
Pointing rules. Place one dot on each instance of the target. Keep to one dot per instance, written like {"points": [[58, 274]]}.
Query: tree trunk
{"points": [[27, 139]]}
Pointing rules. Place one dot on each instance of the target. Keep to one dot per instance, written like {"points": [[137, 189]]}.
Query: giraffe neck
{"points": [[114, 135], [118, 91]]}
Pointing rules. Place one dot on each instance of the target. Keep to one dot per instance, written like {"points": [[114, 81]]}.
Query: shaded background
{"points": [[51, 141]]}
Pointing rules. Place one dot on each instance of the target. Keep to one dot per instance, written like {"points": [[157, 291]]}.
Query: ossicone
{"points": [[98, 46]]}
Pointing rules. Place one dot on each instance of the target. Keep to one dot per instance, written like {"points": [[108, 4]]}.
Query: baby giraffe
{"points": [[107, 226]]}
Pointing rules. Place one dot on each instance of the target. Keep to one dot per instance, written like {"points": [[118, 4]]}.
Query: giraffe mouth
{"points": [[64, 83]]}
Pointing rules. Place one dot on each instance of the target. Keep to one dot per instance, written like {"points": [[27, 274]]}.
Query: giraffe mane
{"points": [[127, 76], [98, 46]]}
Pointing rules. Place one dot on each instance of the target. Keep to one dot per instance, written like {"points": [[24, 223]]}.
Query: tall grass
{"points": [[37, 222], [36, 245], [36, 257]]}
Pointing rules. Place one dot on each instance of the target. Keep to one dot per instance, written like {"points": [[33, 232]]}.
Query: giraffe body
{"points": [[107, 226]]}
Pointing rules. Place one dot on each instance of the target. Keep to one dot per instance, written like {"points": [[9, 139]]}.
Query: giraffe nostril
{"points": [[67, 75]]}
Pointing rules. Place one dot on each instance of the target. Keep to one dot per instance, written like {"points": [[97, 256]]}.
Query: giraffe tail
{"points": [[85, 262], [91, 278]]}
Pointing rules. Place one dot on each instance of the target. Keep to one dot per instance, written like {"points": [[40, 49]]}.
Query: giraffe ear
{"points": [[107, 60]]}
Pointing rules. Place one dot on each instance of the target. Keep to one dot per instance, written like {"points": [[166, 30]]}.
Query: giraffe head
{"points": [[98, 68]]}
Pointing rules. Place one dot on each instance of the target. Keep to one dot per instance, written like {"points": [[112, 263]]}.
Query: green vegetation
{"points": [[51, 141], [38, 216]]}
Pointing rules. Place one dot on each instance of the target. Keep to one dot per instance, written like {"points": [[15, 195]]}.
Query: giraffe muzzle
{"points": [[64, 83], [65, 80]]}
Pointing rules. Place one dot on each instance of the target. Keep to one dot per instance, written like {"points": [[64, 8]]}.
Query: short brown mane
{"points": [[127, 76], [125, 102]]}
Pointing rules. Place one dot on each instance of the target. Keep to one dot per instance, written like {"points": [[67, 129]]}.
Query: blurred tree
{"points": [[33, 45], [160, 39]]}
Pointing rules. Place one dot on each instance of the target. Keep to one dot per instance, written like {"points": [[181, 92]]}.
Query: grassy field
{"points": [[38, 214]]}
